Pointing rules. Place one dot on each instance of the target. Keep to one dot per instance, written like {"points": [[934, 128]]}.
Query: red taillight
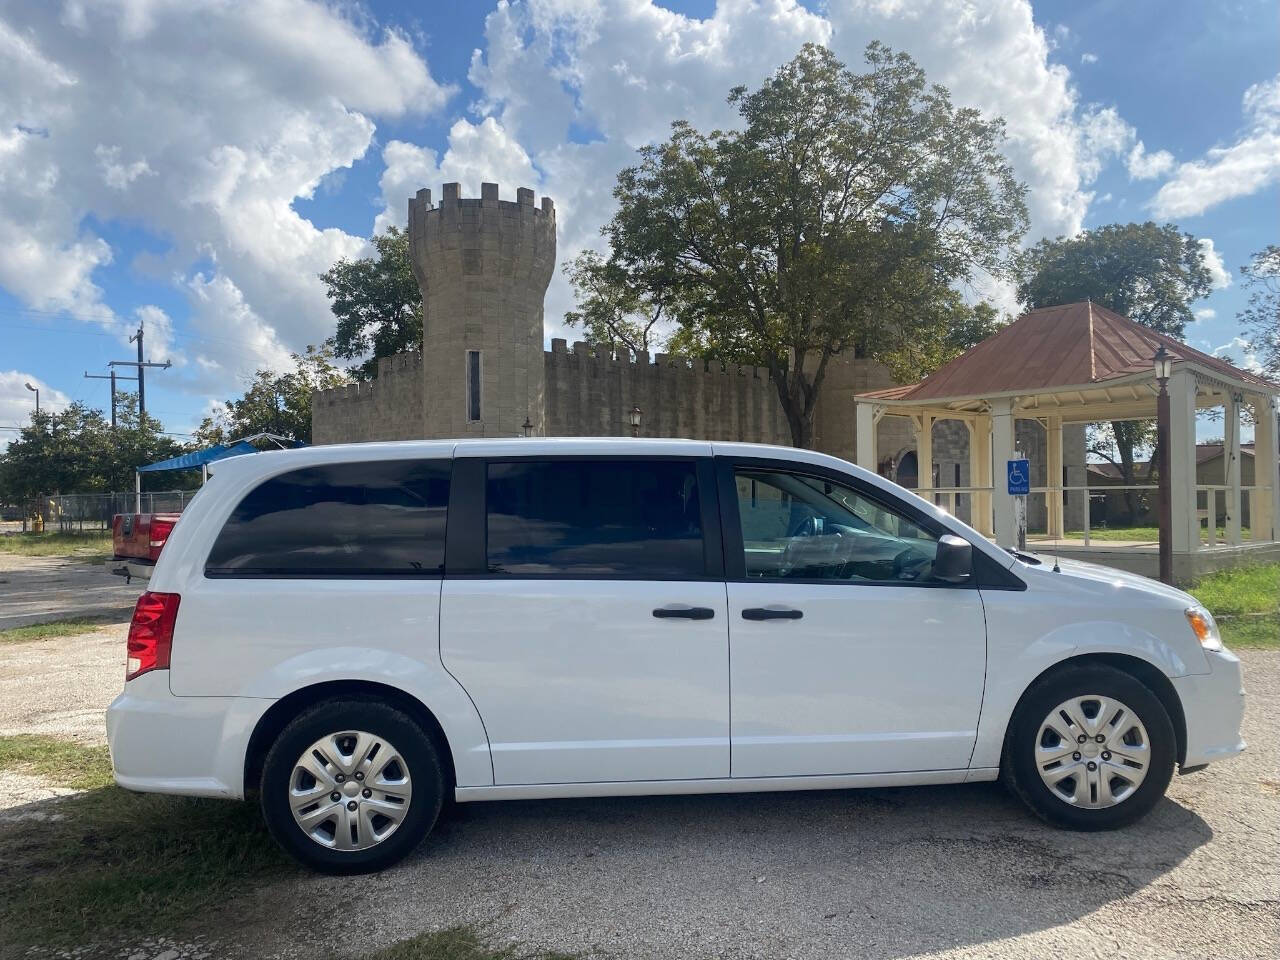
{"points": [[160, 530], [151, 633]]}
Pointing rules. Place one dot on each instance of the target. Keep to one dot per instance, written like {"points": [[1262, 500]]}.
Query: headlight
{"points": [[1204, 628]]}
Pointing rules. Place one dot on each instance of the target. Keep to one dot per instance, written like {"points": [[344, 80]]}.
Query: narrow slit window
{"points": [[473, 385]]}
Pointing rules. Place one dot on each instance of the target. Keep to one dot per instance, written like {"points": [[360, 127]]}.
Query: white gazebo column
{"points": [[1182, 462], [923, 428], [1002, 447], [980, 472], [865, 436], [1053, 475], [1264, 508], [1231, 466]]}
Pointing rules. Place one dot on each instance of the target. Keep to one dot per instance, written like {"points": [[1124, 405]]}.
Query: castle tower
{"points": [[483, 267]]}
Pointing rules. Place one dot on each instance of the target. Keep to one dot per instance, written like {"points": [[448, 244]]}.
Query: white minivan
{"points": [[358, 632]]}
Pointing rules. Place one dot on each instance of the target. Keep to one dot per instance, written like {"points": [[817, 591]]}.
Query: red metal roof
{"points": [[1070, 345]]}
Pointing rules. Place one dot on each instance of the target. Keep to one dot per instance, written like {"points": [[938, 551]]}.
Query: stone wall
{"points": [[590, 393], [388, 408]]}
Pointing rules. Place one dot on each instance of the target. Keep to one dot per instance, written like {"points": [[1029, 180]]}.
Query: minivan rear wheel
{"points": [[351, 786], [1090, 747]]}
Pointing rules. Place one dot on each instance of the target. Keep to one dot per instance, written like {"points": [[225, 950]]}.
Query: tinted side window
{"points": [[800, 527], [376, 519], [623, 518]]}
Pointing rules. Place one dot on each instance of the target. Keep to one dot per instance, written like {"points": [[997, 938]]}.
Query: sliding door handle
{"points": [[680, 611], [771, 613]]}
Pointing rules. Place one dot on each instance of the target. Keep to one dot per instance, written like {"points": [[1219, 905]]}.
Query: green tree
{"points": [[836, 220], [1260, 319], [76, 451], [278, 403], [377, 303], [1148, 273], [613, 307]]}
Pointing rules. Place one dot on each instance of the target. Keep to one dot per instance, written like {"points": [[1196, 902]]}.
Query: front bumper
{"points": [[1213, 704], [190, 746]]}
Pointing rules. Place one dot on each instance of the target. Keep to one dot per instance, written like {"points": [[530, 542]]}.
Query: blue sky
{"points": [[196, 164]]}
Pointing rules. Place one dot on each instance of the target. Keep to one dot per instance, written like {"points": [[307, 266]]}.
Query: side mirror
{"points": [[954, 560]]}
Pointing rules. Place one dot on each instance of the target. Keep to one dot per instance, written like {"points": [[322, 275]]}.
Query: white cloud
{"points": [[17, 403], [1087, 58], [1219, 275], [200, 121], [1236, 350], [1105, 136], [1145, 166], [1205, 313], [1239, 170], [478, 153]]}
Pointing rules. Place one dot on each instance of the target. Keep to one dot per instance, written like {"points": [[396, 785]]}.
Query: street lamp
{"points": [[36, 391], [636, 416], [1162, 364], [527, 427]]}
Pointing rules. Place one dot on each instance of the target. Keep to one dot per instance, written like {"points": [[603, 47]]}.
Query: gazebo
{"points": [[1081, 363]]}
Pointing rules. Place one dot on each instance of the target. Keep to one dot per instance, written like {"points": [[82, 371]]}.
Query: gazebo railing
{"points": [[1208, 508], [1207, 514]]}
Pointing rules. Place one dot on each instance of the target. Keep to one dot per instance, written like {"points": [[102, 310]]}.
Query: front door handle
{"points": [[771, 613], [680, 611]]}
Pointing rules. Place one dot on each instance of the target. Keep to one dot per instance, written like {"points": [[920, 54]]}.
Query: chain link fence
{"points": [[87, 512]]}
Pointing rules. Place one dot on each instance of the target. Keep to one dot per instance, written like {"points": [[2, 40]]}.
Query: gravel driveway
{"points": [[943, 871], [39, 589]]}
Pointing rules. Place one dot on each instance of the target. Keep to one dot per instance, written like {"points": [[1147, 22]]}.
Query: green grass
{"points": [[457, 943], [54, 629], [1108, 534], [81, 546], [61, 762], [114, 863], [1246, 603]]}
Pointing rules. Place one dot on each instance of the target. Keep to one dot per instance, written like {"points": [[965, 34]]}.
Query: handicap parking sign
{"points": [[1019, 478]]}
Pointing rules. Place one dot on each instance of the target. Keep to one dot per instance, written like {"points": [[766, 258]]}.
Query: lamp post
{"points": [[636, 416], [527, 427], [1162, 363], [36, 391]]}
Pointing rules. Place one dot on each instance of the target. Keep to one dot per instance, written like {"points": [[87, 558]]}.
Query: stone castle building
{"points": [[483, 266]]}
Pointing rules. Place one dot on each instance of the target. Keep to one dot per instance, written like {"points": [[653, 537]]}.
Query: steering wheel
{"points": [[905, 561]]}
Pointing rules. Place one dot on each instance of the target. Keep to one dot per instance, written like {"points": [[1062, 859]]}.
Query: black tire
{"points": [[331, 717], [1018, 768]]}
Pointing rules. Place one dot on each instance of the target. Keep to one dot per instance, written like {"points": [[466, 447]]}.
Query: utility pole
{"points": [[112, 377], [141, 366], [142, 382]]}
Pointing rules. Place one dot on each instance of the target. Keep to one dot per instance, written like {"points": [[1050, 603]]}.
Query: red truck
{"points": [[136, 542]]}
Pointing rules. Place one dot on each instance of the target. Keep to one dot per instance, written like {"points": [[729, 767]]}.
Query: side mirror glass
{"points": [[954, 560]]}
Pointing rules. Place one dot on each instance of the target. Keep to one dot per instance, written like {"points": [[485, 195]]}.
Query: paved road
{"points": [[38, 589]]}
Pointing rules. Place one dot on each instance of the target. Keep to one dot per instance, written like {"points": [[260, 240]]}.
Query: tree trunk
{"points": [[793, 406], [1124, 445]]}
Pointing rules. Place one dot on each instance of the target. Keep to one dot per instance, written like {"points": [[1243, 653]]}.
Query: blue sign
{"points": [[1019, 478]]}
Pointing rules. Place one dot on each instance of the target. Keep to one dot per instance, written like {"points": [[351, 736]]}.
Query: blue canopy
{"points": [[198, 458]]}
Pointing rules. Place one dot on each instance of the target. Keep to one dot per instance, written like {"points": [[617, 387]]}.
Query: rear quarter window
{"points": [[371, 519]]}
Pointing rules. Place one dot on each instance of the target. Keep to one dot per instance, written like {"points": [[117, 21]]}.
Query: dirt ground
{"points": [[956, 872]]}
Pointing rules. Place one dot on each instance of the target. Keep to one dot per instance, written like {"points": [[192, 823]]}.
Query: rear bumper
{"points": [[190, 746], [131, 568], [1213, 704]]}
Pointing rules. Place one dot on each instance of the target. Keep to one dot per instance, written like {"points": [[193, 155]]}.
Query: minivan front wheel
{"points": [[351, 786], [1090, 748]]}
